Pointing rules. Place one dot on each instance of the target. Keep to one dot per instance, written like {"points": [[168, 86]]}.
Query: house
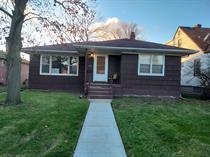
{"points": [[197, 38], [103, 69], [3, 69]]}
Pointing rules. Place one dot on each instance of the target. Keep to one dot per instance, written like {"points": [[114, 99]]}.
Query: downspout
{"points": [[86, 78]]}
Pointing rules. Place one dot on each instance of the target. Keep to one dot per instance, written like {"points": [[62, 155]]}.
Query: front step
{"points": [[100, 91]]}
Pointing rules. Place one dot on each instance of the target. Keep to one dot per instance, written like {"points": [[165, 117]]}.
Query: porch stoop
{"points": [[100, 91]]}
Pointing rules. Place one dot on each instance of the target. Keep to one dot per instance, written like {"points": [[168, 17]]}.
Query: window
{"points": [[45, 64], [59, 65], [151, 65], [100, 65], [197, 66], [179, 42], [73, 65]]}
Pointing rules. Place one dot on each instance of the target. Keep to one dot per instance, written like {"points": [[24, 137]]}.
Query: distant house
{"points": [[24, 69], [196, 38], [103, 69]]}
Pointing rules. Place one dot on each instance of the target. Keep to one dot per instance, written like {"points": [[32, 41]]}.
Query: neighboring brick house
{"points": [[196, 38], [24, 69]]}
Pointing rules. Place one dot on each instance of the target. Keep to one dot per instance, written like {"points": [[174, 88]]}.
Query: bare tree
{"points": [[46, 15], [199, 70], [117, 30]]}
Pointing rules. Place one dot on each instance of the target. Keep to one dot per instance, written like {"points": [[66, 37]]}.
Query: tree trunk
{"points": [[13, 55]]}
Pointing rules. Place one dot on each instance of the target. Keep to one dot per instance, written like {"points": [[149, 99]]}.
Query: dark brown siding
{"points": [[132, 84], [37, 81], [114, 67]]}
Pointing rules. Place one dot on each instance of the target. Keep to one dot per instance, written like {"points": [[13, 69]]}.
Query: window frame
{"points": [[195, 62], [50, 66], [151, 74]]}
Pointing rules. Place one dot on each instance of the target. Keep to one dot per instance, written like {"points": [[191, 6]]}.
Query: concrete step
{"points": [[101, 92], [100, 96]]}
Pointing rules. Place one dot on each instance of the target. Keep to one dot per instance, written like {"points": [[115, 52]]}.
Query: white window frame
{"points": [[150, 74], [50, 66]]}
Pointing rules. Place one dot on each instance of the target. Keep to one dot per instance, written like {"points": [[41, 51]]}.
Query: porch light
{"points": [[91, 55]]}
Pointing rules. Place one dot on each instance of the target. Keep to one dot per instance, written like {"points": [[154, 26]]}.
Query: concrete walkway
{"points": [[100, 135]]}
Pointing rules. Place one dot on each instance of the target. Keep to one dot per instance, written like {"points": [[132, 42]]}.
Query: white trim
{"points": [[133, 48], [38, 50], [100, 77], [50, 66], [150, 74]]}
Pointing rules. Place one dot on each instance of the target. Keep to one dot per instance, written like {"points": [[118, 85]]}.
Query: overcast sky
{"points": [[159, 18]]}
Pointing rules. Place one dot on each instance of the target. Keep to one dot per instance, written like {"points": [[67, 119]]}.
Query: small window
{"points": [[197, 66], [73, 65], [157, 64], [179, 42], [45, 64], [59, 65], [151, 65], [145, 64]]}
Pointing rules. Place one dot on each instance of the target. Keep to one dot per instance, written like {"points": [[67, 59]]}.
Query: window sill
{"points": [[143, 74], [59, 74]]}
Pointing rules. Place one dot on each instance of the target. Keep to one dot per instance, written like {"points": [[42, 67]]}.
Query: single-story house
{"points": [[102, 69]]}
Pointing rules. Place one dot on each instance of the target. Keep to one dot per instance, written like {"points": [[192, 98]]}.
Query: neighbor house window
{"points": [[59, 65], [197, 65], [153, 65], [179, 42]]}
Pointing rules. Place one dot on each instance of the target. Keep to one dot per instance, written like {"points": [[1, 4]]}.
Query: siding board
{"points": [[72, 83], [132, 84]]}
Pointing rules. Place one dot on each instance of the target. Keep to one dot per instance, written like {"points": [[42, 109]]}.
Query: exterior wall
{"points": [[132, 84], [187, 70], [3, 70], [113, 67], [72, 83], [24, 72], [186, 42]]}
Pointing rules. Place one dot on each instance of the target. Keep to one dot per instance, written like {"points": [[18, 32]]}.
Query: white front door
{"points": [[100, 68]]}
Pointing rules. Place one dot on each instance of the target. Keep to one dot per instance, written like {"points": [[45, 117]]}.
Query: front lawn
{"points": [[166, 128], [46, 124]]}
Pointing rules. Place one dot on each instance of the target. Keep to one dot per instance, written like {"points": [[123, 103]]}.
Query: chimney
{"points": [[198, 26], [132, 36]]}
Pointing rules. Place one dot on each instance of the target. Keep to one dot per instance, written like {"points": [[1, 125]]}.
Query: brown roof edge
{"points": [[178, 52]]}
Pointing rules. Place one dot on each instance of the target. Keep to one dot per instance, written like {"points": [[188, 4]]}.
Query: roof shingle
{"points": [[200, 35]]}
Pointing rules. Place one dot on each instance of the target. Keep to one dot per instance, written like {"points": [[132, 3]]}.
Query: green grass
{"points": [[46, 124], [167, 128], [2, 88]]}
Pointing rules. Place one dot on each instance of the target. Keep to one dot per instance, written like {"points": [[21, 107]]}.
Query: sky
{"points": [[159, 18]]}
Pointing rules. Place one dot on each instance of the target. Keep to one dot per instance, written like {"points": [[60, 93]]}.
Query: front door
{"points": [[100, 68]]}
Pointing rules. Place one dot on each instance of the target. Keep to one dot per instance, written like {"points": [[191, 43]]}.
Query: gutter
{"points": [[37, 50], [136, 49]]}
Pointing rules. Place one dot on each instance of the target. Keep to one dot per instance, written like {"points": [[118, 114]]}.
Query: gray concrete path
{"points": [[100, 135]]}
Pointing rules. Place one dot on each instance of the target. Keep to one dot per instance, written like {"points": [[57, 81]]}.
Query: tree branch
{"points": [[6, 12]]}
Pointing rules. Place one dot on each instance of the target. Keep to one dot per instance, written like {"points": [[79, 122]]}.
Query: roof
{"points": [[200, 35], [3, 56], [66, 47], [120, 45]]}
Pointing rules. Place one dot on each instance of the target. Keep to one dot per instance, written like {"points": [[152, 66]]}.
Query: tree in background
{"points": [[39, 16], [195, 69], [115, 29]]}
